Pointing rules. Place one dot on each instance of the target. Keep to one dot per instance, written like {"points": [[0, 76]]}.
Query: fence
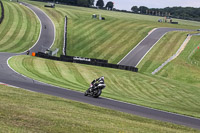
{"points": [[88, 61], [65, 37], [2, 12]]}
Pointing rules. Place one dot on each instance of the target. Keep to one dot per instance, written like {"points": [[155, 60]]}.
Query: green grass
{"points": [[185, 68], [147, 90], [162, 51], [20, 28], [111, 39], [23, 111]]}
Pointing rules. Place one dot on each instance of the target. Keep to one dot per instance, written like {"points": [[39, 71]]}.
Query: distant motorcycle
{"points": [[95, 89]]}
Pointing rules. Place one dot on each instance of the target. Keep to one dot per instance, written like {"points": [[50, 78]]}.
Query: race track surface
{"points": [[134, 57], [8, 76]]}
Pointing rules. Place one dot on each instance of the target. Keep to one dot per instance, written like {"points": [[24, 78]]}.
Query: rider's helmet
{"points": [[101, 79]]}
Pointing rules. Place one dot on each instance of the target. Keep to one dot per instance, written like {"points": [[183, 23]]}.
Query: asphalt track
{"points": [[10, 77], [134, 57]]}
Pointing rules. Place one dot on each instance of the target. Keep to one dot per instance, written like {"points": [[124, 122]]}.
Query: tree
{"points": [[100, 3], [109, 5], [83, 3], [91, 2], [134, 9], [143, 9]]}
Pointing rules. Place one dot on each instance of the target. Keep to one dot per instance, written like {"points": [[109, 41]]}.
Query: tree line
{"points": [[188, 13], [84, 3]]}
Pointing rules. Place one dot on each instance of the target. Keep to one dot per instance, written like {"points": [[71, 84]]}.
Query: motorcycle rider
{"points": [[96, 82]]}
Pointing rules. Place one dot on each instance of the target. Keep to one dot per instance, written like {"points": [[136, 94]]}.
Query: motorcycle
{"points": [[95, 89]]}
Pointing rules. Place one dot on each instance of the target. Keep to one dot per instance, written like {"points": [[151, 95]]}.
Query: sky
{"points": [[127, 4]]}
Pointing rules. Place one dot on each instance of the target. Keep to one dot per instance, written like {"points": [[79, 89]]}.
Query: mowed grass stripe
{"points": [[104, 47], [92, 32], [14, 24], [16, 35], [77, 77], [127, 86], [54, 72], [69, 13], [22, 29], [6, 20], [20, 33], [7, 23], [47, 73], [31, 29], [106, 34]]}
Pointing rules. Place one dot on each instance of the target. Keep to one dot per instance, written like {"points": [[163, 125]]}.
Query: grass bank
{"points": [[20, 28], [147, 90], [23, 111], [186, 67], [162, 51]]}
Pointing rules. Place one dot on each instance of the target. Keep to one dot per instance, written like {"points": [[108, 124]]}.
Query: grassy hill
{"points": [[20, 28], [23, 111], [111, 39]]}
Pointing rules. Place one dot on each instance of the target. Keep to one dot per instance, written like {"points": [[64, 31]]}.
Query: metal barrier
{"points": [[65, 37], [2, 12], [88, 61]]}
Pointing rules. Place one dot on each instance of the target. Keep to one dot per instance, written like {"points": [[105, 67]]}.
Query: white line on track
{"points": [[151, 48], [137, 45]]}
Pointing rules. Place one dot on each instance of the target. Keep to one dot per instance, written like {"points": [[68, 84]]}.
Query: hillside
{"points": [[186, 67], [111, 39]]}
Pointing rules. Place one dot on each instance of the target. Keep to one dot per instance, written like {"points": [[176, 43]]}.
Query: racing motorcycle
{"points": [[95, 89]]}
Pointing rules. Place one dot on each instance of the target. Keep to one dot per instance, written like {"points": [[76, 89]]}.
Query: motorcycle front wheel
{"points": [[97, 93], [86, 93]]}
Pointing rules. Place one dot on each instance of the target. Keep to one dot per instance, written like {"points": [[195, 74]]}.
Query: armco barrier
{"points": [[78, 59], [46, 56], [88, 61], [2, 12]]}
